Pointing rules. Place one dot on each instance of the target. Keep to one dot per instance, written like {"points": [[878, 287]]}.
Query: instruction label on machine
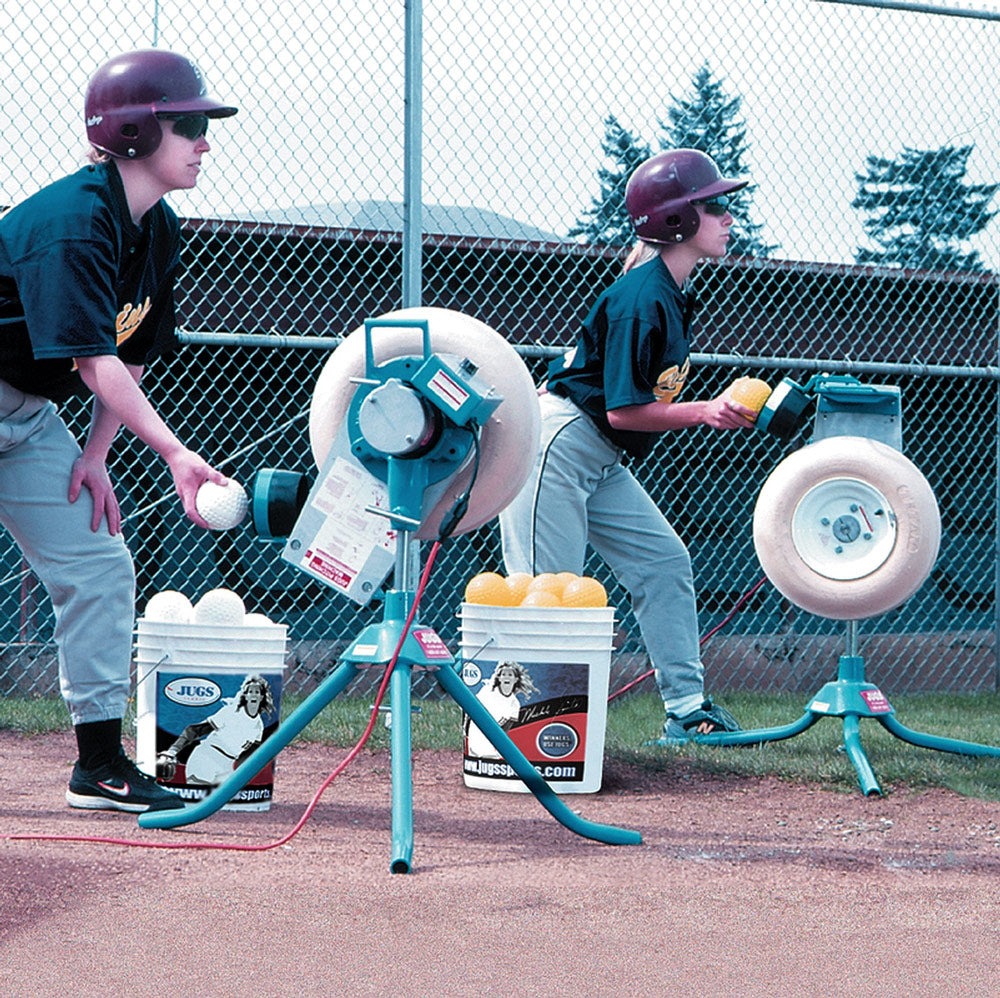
{"points": [[337, 540]]}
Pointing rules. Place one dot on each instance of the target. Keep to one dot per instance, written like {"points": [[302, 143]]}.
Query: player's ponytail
{"points": [[639, 254]]}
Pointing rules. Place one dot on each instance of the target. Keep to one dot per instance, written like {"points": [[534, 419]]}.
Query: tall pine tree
{"points": [[709, 121], [607, 221], [920, 210]]}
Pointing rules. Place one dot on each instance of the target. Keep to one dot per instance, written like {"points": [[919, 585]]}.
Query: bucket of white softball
{"points": [[542, 673], [206, 696]]}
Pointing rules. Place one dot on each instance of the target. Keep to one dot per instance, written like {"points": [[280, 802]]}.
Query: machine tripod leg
{"points": [[852, 743], [402, 770], [760, 735], [935, 741]]}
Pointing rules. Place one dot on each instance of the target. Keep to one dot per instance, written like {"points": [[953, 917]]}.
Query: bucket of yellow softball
{"points": [[542, 670]]}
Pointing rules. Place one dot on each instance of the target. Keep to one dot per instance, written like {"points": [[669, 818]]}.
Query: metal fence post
{"points": [[412, 153], [996, 538]]}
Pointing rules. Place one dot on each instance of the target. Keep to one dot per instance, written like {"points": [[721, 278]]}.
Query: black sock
{"points": [[98, 742]]}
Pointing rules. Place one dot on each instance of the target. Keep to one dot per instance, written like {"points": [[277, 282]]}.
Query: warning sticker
{"points": [[448, 390], [876, 700], [431, 643], [325, 565]]}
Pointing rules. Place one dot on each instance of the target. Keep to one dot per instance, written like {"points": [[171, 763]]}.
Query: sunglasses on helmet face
{"points": [[716, 206], [188, 126]]}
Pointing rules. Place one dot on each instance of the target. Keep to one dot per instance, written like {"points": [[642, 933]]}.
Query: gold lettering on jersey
{"points": [[671, 382], [128, 319]]}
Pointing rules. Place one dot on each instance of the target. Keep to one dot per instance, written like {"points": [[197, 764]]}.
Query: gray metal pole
{"points": [[412, 156], [920, 8], [996, 538]]}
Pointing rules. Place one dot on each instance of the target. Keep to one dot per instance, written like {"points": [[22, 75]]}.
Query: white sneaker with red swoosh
{"points": [[118, 786]]}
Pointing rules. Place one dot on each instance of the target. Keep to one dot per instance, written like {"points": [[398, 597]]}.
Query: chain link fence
{"points": [[389, 154]]}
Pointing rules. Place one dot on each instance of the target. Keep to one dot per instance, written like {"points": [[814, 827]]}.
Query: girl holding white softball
{"points": [[87, 267]]}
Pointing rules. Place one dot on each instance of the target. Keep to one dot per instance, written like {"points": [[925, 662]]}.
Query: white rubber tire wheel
{"points": [[509, 441], [822, 545]]}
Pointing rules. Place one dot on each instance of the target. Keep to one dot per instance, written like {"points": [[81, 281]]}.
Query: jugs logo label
{"points": [[192, 691]]}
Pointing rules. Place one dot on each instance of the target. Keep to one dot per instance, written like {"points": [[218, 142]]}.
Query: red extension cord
{"points": [[319, 793], [300, 824]]}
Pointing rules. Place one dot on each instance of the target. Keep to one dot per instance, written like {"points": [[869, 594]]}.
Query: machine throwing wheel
{"points": [[510, 438], [846, 528]]}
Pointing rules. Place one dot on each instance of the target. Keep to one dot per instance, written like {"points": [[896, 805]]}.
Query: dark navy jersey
{"points": [[631, 349], [78, 278]]}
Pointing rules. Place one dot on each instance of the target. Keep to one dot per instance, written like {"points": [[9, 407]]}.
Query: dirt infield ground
{"points": [[740, 887]]}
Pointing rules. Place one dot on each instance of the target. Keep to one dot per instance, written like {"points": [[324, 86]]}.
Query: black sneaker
{"points": [[118, 786], [680, 730]]}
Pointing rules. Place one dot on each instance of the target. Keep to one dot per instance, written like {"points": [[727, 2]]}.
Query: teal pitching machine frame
{"points": [[846, 511], [412, 423]]}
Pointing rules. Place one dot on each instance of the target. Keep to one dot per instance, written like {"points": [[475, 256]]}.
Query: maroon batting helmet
{"points": [[661, 194], [129, 93]]}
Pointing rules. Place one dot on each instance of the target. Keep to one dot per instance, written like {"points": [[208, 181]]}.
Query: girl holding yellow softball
{"points": [[614, 394]]}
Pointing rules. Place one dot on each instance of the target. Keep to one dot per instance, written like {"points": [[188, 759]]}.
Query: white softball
{"points": [[222, 507], [257, 620], [169, 606], [220, 606]]}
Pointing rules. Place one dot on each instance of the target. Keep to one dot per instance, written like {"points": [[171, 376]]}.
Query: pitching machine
{"points": [[846, 527], [423, 423]]}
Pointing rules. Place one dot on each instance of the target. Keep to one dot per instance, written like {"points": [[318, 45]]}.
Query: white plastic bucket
{"points": [[192, 674], [559, 662]]}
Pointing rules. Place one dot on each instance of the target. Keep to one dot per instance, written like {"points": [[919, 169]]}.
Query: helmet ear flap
{"points": [[140, 133], [679, 225]]}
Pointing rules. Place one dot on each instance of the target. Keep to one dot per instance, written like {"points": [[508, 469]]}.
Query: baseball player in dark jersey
{"points": [[615, 393], [87, 270]]}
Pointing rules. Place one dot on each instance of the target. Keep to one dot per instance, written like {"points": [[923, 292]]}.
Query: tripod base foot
{"points": [[852, 740], [937, 742]]}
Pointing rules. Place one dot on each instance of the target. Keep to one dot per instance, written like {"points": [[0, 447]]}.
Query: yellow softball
{"points": [[751, 392]]}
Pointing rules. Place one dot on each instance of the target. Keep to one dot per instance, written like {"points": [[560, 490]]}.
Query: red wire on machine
{"points": [[319, 793]]}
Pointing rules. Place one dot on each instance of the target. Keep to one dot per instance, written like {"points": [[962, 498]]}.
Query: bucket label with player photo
{"points": [[541, 706], [207, 724]]}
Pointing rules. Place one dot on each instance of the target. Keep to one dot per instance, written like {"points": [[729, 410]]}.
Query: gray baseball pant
{"points": [[580, 493], [89, 576]]}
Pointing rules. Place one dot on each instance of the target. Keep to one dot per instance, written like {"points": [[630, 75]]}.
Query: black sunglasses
{"points": [[716, 206], [188, 126]]}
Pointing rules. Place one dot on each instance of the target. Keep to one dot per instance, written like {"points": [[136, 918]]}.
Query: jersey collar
{"points": [[131, 231]]}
